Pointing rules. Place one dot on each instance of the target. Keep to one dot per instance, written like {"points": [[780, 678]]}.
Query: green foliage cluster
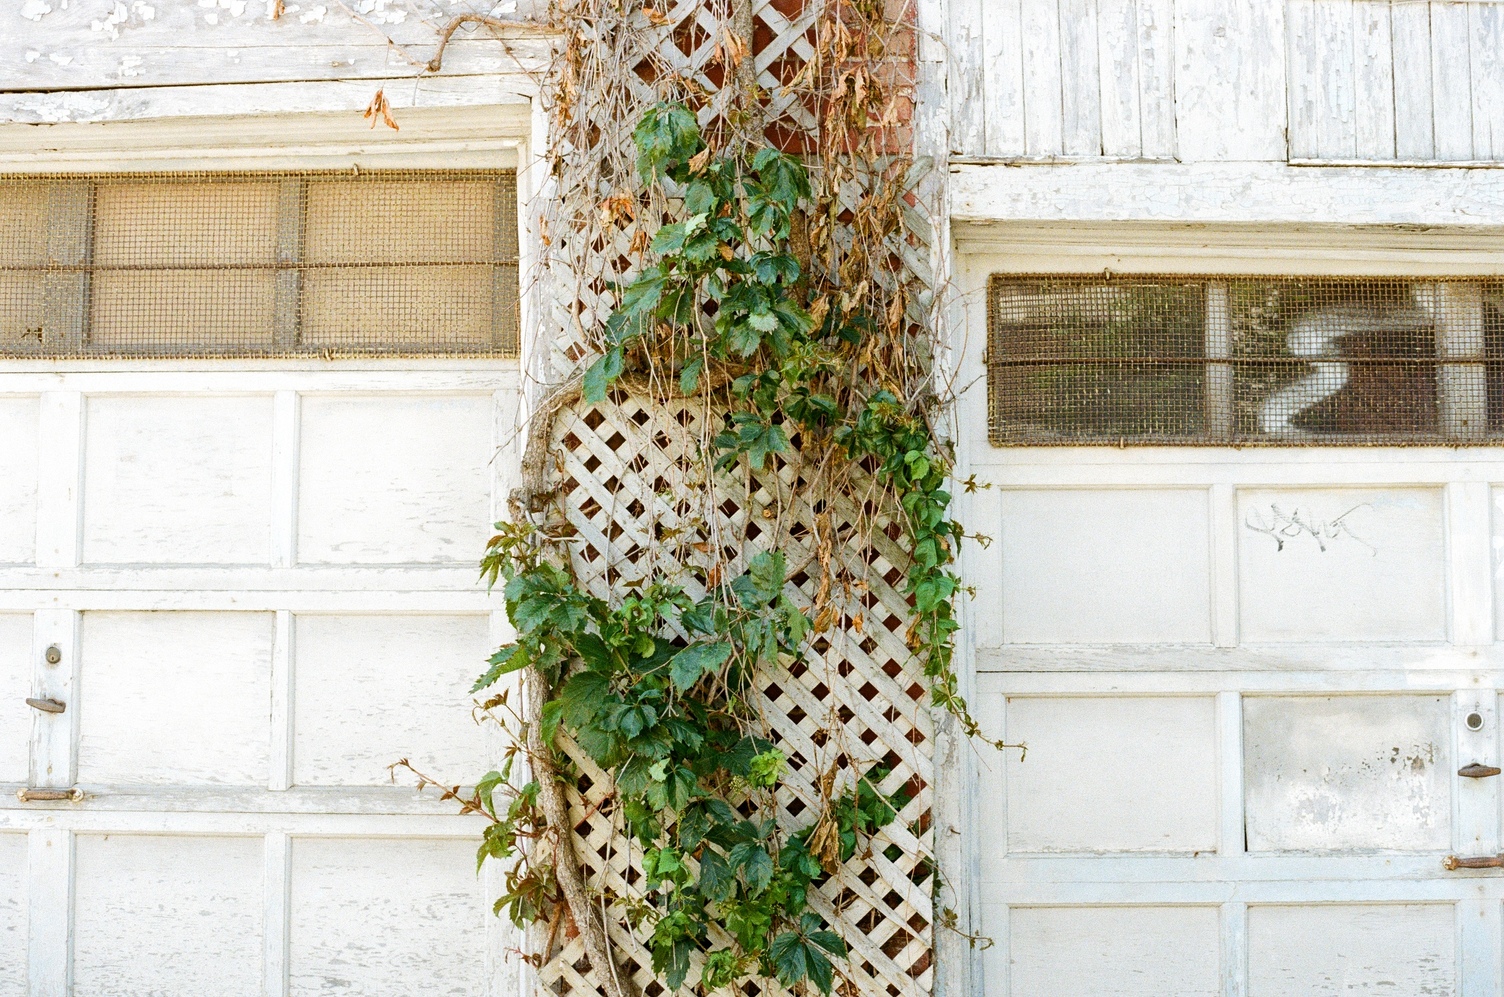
{"points": [[655, 686]]}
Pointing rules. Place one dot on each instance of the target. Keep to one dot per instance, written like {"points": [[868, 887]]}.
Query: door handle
{"points": [[46, 705], [1477, 770], [46, 795]]}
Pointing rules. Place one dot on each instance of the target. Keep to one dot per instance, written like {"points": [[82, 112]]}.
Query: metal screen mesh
{"points": [[259, 264], [1248, 360]]}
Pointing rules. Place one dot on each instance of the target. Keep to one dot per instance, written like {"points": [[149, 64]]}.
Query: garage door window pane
{"points": [[1245, 360], [259, 264]]}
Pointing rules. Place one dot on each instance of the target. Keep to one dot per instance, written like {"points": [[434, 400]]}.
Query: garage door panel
{"points": [[175, 698], [1348, 773], [1340, 949], [394, 480], [371, 916], [1342, 564], [18, 479], [13, 904], [373, 689], [1109, 775], [180, 479], [173, 916], [1114, 952], [1106, 566], [15, 686]]}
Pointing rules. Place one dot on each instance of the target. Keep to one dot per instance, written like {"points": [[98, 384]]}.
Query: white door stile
{"points": [[50, 935], [277, 887], [1224, 559], [284, 532], [281, 748], [1233, 925], [60, 437]]}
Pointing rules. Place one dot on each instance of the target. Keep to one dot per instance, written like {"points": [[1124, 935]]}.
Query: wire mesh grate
{"points": [[409, 262], [1246, 360]]}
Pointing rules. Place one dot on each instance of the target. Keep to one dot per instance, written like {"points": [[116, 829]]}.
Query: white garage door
{"points": [[249, 585], [1258, 685]]}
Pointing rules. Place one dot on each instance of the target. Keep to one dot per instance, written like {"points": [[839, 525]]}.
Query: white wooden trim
{"points": [[443, 137], [280, 755], [239, 824], [54, 736], [50, 931], [1230, 759], [1234, 930], [410, 375], [276, 919], [285, 443]]}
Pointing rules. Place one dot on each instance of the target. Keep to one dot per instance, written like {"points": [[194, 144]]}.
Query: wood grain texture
{"points": [[13, 904], [1229, 80], [1081, 75], [175, 698], [177, 916], [394, 479], [1004, 86], [1119, 56], [371, 916], [16, 683], [373, 689], [177, 480], [1114, 952], [1324, 951], [1043, 81]]}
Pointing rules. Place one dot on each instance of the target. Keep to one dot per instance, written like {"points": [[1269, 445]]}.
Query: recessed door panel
{"points": [[1114, 952], [1105, 566], [1336, 950], [1339, 773], [178, 916], [1121, 774]]}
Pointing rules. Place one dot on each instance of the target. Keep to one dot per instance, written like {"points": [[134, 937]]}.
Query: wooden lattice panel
{"points": [[619, 477]]}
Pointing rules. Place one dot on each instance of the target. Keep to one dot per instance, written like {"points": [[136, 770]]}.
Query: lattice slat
{"points": [[616, 470]]}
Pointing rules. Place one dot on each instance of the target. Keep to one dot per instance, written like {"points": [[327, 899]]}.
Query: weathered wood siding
{"points": [[1232, 80]]}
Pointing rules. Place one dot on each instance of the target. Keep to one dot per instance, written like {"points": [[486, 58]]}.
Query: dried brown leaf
{"points": [[380, 110]]}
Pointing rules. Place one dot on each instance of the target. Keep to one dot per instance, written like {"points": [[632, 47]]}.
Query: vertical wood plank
{"points": [[50, 934], [1118, 56], [276, 880], [1336, 131], [1156, 69], [1234, 950], [54, 736], [1479, 928], [1042, 81], [1230, 782], [985, 567], [1224, 554], [1373, 80], [279, 752], [1451, 82], [284, 529], [1486, 64], [1080, 79], [1414, 132], [1003, 70], [1230, 80], [60, 439], [1470, 576], [1475, 822], [505, 972], [1304, 78], [968, 110]]}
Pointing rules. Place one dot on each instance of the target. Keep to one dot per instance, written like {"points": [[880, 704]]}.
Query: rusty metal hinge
{"points": [[50, 795]]}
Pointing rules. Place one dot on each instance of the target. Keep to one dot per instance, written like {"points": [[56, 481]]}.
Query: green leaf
{"points": [[667, 136], [689, 376], [486, 787], [716, 878], [686, 667], [755, 863], [763, 321], [599, 375], [510, 658]]}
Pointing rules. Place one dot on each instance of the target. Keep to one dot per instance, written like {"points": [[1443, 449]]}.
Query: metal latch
{"points": [[1478, 770], [46, 705], [50, 795]]}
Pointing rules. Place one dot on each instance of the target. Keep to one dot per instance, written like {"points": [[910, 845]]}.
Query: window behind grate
{"points": [[1248, 360], [259, 264]]}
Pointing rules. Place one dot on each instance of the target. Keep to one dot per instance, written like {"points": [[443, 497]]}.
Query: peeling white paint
{"points": [[32, 55], [315, 16], [35, 10], [130, 65], [211, 18], [60, 59]]}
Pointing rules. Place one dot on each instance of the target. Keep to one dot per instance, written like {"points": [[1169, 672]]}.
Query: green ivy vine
{"points": [[656, 686]]}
